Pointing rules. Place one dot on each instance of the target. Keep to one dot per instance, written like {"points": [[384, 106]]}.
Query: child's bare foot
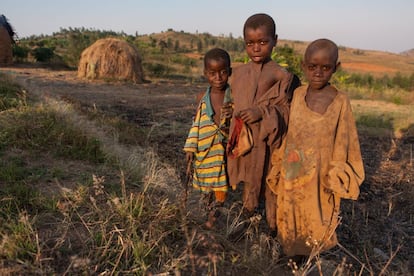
{"points": [[213, 215], [210, 222]]}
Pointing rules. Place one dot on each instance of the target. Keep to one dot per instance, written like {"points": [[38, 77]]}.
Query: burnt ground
{"points": [[377, 230]]}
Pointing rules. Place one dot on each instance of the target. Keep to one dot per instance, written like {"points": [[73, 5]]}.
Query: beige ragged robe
{"points": [[318, 164]]}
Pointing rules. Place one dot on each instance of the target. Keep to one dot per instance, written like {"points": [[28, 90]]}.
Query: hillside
{"points": [[92, 174], [408, 52], [377, 63], [172, 54], [353, 60]]}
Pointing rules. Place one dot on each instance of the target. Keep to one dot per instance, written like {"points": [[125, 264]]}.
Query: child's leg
{"points": [[215, 212], [271, 205], [220, 196], [207, 200], [251, 196]]}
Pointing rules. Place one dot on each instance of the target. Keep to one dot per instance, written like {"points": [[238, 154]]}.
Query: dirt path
{"points": [[164, 106], [157, 97]]}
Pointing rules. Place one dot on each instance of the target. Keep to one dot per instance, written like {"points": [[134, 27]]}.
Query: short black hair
{"points": [[323, 43], [260, 19], [217, 54]]}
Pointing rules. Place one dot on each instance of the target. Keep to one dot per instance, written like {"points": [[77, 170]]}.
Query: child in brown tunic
{"points": [[261, 92], [320, 160]]}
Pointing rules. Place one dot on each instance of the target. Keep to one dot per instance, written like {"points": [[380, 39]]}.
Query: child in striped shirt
{"points": [[205, 146]]}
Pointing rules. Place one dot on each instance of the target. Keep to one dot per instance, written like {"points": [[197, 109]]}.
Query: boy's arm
{"points": [[346, 170], [191, 143], [275, 108], [294, 83]]}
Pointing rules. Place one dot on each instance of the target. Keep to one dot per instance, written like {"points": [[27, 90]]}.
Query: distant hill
{"points": [[178, 53], [376, 63], [353, 60], [408, 53]]}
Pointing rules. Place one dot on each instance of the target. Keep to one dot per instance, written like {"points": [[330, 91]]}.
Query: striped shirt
{"points": [[207, 141]]}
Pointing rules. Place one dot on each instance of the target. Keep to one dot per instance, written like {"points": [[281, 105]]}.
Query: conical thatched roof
{"points": [[111, 59], [6, 41]]}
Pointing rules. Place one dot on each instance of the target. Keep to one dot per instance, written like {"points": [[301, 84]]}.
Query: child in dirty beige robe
{"points": [[319, 162], [261, 92]]}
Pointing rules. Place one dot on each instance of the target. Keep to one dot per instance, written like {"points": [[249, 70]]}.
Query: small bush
{"points": [[43, 54], [375, 121], [157, 69], [20, 53]]}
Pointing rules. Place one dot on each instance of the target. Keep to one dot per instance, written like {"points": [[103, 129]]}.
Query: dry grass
{"points": [[394, 120], [126, 217]]}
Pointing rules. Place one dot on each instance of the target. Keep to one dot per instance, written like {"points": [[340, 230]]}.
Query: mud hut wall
{"points": [[6, 52]]}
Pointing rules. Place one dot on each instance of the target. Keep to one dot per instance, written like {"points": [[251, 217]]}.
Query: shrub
{"points": [[43, 54], [20, 53], [157, 69]]}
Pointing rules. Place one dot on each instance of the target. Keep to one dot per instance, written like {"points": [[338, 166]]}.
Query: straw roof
{"points": [[111, 59]]}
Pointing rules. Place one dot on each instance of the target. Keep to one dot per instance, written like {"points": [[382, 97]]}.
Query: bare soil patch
{"points": [[367, 68]]}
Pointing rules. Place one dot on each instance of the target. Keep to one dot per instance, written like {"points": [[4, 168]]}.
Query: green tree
{"points": [[177, 46], [20, 53], [199, 46], [287, 57], [43, 54]]}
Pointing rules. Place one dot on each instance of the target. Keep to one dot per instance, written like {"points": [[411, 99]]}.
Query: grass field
{"points": [[91, 183], [92, 178]]}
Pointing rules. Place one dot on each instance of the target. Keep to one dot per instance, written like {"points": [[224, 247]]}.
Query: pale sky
{"points": [[385, 25]]}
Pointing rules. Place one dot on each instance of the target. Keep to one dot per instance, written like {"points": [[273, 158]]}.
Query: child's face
{"points": [[259, 44], [319, 67], [217, 73]]}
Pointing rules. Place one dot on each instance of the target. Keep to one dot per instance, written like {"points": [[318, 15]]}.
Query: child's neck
{"points": [[214, 90], [322, 89], [259, 65], [266, 60]]}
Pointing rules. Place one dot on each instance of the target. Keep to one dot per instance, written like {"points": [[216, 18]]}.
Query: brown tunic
{"points": [[318, 164], [266, 87]]}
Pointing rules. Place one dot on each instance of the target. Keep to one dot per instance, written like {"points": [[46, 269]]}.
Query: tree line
{"points": [[164, 57]]}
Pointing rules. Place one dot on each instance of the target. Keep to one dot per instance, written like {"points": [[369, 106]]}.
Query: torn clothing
{"points": [[318, 164], [266, 87]]}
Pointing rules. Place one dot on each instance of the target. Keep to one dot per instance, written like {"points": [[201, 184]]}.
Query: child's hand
{"points": [[250, 115], [189, 156], [227, 111], [337, 180]]}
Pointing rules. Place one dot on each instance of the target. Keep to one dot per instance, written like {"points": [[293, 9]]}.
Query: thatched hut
{"points": [[111, 59], [6, 41]]}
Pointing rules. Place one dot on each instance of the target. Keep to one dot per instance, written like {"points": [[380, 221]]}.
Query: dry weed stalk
{"points": [[392, 256], [125, 240], [314, 260], [363, 266], [184, 225]]}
